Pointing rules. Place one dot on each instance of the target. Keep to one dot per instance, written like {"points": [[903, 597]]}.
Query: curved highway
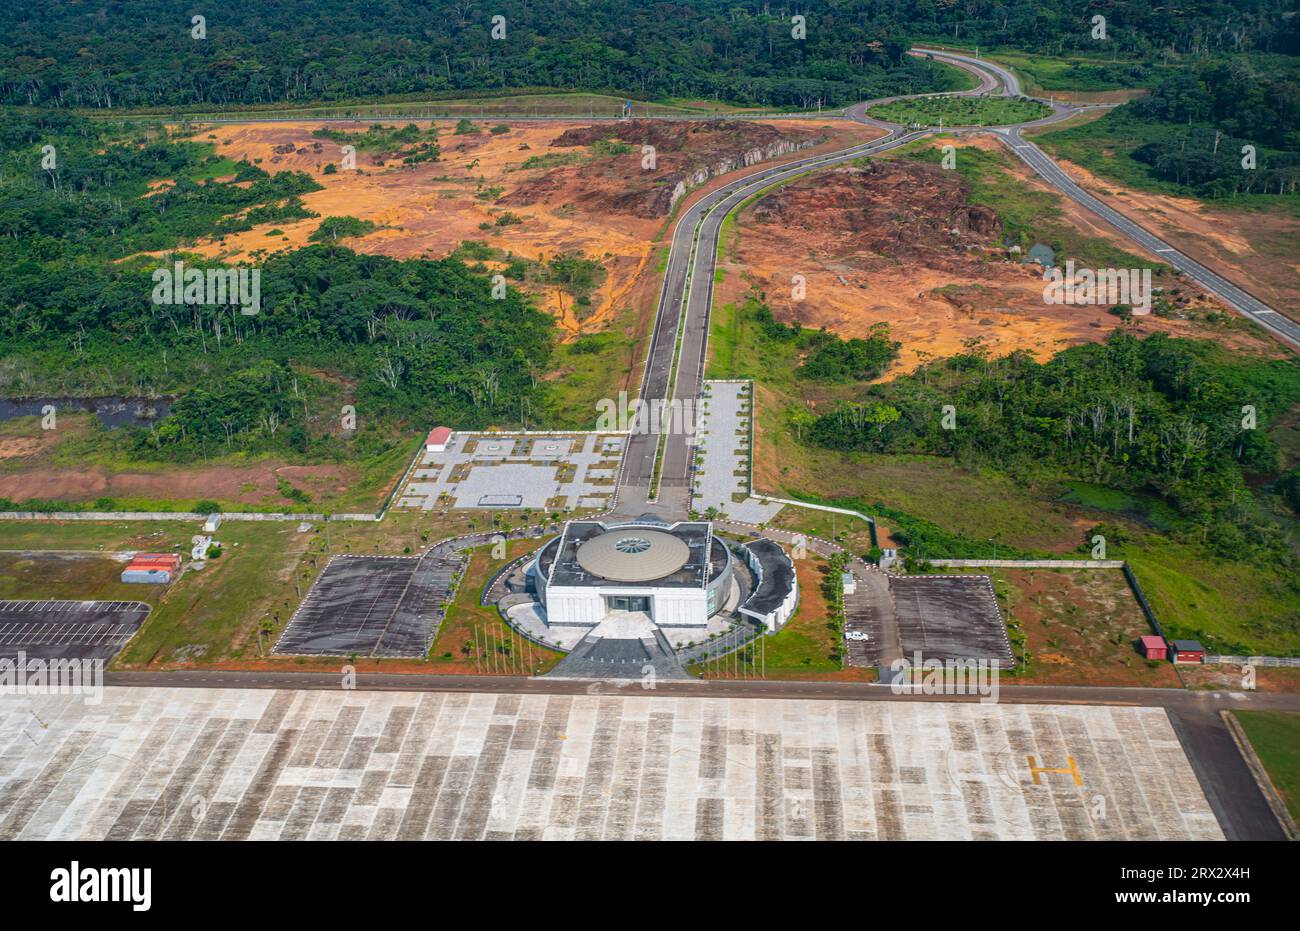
{"points": [[682, 320], [680, 332], [1238, 298]]}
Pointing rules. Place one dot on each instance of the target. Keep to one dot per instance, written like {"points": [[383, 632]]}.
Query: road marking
{"points": [[1071, 769]]}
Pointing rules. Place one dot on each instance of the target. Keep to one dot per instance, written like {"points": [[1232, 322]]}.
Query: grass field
{"points": [[213, 616], [81, 444], [960, 111], [1275, 735], [473, 639], [806, 648], [1234, 608]]}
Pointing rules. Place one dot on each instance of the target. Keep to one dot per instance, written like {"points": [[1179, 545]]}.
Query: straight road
{"points": [[681, 329], [682, 319], [1243, 302], [1238, 298]]}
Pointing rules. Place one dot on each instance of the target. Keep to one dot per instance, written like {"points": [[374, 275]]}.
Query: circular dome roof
{"points": [[633, 554]]}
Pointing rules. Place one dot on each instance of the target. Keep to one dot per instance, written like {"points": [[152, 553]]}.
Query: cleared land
{"points": [[83, 461], [266, 765], [571, 195], [1248, 240], [230, 613], [903, 242], [1081, 627]]}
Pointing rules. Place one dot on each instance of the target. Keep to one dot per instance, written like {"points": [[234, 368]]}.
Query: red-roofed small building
{"points": [[170, 560], [437, 440], [1153, 647]]}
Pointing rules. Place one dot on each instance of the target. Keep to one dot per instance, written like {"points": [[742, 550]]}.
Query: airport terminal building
{"points": [[677, 575]]}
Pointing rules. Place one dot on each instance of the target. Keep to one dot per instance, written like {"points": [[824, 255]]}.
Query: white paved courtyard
{"points": [[722, 454], [516, 470], [266, 764]]}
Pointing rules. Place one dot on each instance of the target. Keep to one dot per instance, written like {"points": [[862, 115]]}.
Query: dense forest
{"points": [[68, 54], [81, 240], [1160, 416], [1212, 113]]}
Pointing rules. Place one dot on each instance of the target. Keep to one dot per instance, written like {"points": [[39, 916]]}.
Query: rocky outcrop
{"points": [[687, 154], [897, 209]]}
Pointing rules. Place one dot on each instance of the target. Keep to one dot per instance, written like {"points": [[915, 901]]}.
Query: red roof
{"points": [[438, 436], [1152, 642], [155, 561]]}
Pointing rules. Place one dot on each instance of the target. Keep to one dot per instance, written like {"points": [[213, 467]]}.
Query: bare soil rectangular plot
{"points": [[950, 617], [50, 629]]}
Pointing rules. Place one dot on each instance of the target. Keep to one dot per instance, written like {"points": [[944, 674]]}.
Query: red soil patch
{"points": [[899, 243], [1082, 627], [252, 484], [686, 154]]}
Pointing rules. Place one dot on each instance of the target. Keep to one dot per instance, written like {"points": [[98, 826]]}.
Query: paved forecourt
{"points": [[264, 764]]}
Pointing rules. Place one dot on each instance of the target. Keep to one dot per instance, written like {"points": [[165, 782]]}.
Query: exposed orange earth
{"points": [[253, 484], [429, 208], [1254, 249], [898, 243]]}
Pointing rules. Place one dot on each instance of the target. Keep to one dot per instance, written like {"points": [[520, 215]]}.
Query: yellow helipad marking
{"points": [[1071, 769]]}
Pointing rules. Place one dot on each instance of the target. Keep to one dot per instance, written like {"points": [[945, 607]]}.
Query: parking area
{"points": [[517, 471], [861, 633], [374, 606], [950, 617], [49, 629], [721, 476]]}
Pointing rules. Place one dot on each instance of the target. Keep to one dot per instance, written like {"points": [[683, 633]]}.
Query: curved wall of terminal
{"points": [[721, 568]]}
